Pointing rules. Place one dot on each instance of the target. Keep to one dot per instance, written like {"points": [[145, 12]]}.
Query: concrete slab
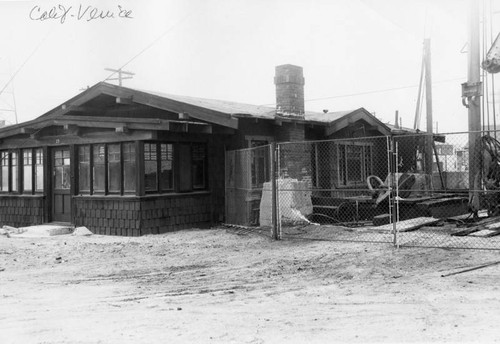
{"points": [[45, 230]]}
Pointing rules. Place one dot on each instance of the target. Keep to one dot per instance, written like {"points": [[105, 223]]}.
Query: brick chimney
{"points": [[289, 81]]}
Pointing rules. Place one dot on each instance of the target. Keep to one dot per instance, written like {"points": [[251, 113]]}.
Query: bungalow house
{"points": [[124, 161]]}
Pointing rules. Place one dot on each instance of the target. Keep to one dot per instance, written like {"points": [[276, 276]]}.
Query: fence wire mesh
{"points": [[248, 175], [439, 190], [324, 185]]}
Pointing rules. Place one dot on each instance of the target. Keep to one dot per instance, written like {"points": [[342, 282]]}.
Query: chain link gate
{"points": [[408, 190]]}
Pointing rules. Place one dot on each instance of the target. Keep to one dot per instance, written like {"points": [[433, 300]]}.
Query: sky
{"points": [[355, 53]]}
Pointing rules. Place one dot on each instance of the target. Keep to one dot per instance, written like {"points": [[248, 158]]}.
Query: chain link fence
{"points": [[409, 190], [248, 173]]}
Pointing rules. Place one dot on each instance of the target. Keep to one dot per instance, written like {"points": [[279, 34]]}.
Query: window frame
{"points": [[37, 163], [32, 170], [5, 167], [366, 164], [183, 182], [14, 172], [106, 171]]}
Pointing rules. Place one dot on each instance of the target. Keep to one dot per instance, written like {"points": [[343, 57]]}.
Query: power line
{"points": [[152, 43], [372, 92], [380, 91], [21, 67]]}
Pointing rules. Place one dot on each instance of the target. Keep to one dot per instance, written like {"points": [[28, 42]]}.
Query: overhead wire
{"points": [[23, 64], [371, 92], [152, 43]]}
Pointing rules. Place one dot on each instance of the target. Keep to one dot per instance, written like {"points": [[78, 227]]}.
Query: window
{"points": [[5, 171], [62, 169], [114, 168], [99, 168], [129, 171], [260, 163], [107, 168], [27, 161], [39, 169], [354, 163], [13, 170], [167, 167], [84, 169], [199, 158], [170, 167], [27, 170], [150, 167]]}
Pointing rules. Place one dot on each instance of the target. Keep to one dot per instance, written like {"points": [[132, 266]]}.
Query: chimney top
{"points": [[289, 81]]}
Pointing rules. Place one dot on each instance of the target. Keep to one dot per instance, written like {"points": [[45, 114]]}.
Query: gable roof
{"points": [[220, 112], [343, 120]]}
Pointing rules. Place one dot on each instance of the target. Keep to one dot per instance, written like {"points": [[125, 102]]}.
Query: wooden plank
{"points": [[409, 225], [484, 233], [481, 214], [467, 231], [493, 226], [83, 139], [123, 100]]}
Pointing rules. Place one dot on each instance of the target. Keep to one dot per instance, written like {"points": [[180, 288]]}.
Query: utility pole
{"points": [[471, 98], [121, 74], [429, 140]]}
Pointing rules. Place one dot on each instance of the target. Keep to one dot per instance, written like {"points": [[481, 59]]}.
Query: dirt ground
{"points": [[225, 286]]}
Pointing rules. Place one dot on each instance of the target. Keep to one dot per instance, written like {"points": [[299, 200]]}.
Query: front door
{"points": [[61, 185]]}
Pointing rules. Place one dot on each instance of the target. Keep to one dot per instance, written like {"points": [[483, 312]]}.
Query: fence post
{"points": [[396, 199], [274, 198], [392, 181]]}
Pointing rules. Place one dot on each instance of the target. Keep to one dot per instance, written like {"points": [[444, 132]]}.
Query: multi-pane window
{"points": [[22, 170], [107, 168], [129, 170], [167, 166], [354, 163], [259, 163], [39, 169], [14, 162], [150, 167], [5, 170], [170, 167], [84, 169], [99, 168], [27, 170], [62, 169], [114, 168]]}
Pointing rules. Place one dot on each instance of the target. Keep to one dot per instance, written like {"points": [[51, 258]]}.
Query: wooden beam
{"points": [[102, 137], [163, 125], [122, 129], [27, 130], [218, 130], [124, 100], [84, 109], [71, 129], [113, 119], [202, 129]]}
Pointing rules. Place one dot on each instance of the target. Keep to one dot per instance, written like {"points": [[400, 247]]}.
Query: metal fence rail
{"points": [[409, 190]]}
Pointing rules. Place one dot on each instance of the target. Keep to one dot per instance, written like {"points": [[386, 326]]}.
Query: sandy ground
{"points": [[221, 286]]}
